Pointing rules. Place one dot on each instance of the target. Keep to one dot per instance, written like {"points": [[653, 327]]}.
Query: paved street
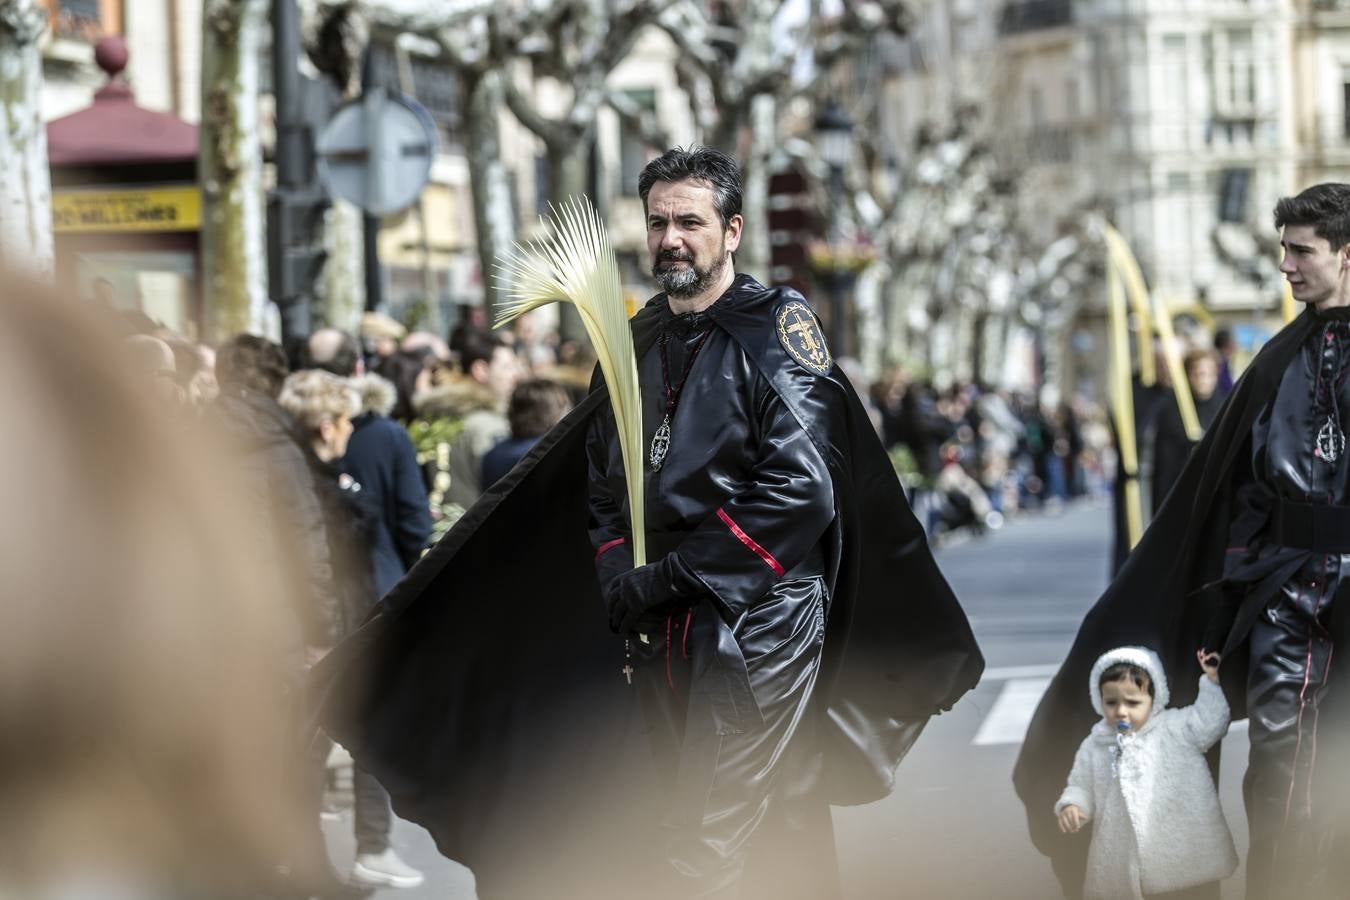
{"points": [[953, 828]]}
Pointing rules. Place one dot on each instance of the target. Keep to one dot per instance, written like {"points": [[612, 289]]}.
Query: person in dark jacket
{"points": [[536, 406], [289, 531], [1171, 444]]}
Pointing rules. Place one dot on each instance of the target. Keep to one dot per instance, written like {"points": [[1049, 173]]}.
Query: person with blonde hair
{"points": [[323, 405], [141, 640]]}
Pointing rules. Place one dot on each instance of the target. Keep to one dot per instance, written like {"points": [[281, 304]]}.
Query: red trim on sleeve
{"points": [[750, 542], [609, 545]]}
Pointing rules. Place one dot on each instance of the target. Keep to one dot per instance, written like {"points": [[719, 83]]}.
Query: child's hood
{"points": [[1142, 657]]}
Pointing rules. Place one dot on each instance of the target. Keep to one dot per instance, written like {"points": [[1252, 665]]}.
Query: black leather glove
{"points": [[642, 593]]}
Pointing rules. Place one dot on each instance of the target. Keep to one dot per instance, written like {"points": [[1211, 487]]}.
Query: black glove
{"points": [[640, 594]]}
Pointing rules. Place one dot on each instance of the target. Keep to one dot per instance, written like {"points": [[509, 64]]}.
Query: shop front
{"points": [[126, 209]]}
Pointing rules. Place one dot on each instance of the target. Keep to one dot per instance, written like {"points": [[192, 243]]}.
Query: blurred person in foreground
{"points": [[1247, 558], [585, 728], [142, 639], [269, 459], [536, 406]]}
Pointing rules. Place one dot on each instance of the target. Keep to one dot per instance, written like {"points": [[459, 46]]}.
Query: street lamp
{"points": [[834, 142]]}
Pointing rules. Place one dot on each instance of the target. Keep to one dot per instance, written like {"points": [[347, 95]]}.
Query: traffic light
{"points": [[295, 255]]}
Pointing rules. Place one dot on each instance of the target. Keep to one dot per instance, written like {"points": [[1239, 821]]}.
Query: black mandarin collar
{"points": [[1335, 314]]}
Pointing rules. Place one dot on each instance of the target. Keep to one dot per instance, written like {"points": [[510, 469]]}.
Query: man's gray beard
{"points": [[687, 282]]}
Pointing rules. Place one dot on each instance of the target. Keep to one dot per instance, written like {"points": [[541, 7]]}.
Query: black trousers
{"points": [[372, 817], [1295, 761], [746, 819]]}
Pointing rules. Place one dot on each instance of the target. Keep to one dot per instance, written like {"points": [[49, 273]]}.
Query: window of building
{"points": [[84, 20], [1035, 107], [1234, 68]]}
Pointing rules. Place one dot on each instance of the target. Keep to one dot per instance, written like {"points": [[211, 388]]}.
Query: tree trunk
{"points": [[229, 164], [493, 214], [755, 256], [568, 170], [343, 281], [25, 180]]}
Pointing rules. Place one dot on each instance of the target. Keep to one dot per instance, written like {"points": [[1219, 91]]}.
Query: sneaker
{"points": [[385, 870]]}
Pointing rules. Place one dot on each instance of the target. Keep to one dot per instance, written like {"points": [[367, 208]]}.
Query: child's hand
{"points": [[1071, 819], [1209, 662]]}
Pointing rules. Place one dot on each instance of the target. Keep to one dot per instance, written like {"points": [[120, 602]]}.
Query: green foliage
{"points": [[907, 467], [432, 439]]}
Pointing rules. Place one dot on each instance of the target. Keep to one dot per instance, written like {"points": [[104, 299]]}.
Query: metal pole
{"points": [[290, 150], [838, 300], [371, 224], [293, 161]]}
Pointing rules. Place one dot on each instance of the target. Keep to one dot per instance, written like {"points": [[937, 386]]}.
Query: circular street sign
{"points": [[376, 152]]}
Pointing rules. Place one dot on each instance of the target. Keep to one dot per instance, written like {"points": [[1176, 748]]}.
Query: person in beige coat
{"points": [[1140, 777]]}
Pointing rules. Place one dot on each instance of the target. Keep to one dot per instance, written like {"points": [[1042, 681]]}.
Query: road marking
{"points": [[1007, 673], [1011, 714]]}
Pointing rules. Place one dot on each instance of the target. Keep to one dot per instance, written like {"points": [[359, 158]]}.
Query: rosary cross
{"points": [[627, 672]]}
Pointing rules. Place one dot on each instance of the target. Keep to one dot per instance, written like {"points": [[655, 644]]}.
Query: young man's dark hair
{"points": [[1124, 671], [703, 164], [249, 361], [536, 406], [475, 344], [1326, 207]]}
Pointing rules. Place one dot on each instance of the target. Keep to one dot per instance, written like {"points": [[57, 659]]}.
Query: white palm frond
{"points": [[576, 265]]}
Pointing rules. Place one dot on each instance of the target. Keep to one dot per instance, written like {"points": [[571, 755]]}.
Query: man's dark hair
{"points": [[344, 359], [1326, 207], [477, 343], [1123, 671], [701, 164], [1223, 339], [249, 361], [536, 406]]}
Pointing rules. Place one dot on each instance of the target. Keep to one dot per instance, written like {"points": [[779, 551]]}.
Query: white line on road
{"points": [[1007, 673], [1008, 720]]}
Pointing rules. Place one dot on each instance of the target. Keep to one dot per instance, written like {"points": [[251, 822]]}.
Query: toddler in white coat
{"points": [[1140, 777]]}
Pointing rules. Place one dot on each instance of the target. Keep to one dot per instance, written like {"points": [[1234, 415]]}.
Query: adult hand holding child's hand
{"points": [[1071, 819]]}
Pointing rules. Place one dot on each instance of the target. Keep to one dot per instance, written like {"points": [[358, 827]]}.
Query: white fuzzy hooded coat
{"points": [[1156, 821]]}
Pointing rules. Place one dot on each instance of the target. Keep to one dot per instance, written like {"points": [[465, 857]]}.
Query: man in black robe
{"points": [[1247, 558], [780, 653]]}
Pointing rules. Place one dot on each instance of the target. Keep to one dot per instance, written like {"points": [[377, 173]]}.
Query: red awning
{"points": [[114, 130]]}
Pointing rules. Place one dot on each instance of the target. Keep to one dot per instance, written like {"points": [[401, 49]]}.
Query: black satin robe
{"points": [[488, 695]]}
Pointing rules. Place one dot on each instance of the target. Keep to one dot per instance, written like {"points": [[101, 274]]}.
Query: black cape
{"points": [[486, 692], [1163, 597]]}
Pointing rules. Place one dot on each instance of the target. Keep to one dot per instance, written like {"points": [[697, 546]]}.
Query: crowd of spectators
{"points": [[970, 455]]}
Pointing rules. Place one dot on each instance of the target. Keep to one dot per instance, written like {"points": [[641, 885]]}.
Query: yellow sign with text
{"points": [[148, 209]]}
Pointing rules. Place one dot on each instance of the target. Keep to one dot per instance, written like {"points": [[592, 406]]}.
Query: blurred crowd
{"points": [[971, 456]]}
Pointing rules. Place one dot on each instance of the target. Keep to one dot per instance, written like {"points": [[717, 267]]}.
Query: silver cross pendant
{"points": [[1330, 442], [660, 445]]}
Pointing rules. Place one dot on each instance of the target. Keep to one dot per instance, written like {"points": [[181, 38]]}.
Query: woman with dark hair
{"points": [[536, 406], [408, 372]]}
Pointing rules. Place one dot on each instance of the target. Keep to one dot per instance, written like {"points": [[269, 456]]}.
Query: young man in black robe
{"points": [[780, 653], [1248, 557]]}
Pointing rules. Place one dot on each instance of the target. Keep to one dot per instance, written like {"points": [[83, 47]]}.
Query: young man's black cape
{"points": [[1163, 598], [486, 693]]}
